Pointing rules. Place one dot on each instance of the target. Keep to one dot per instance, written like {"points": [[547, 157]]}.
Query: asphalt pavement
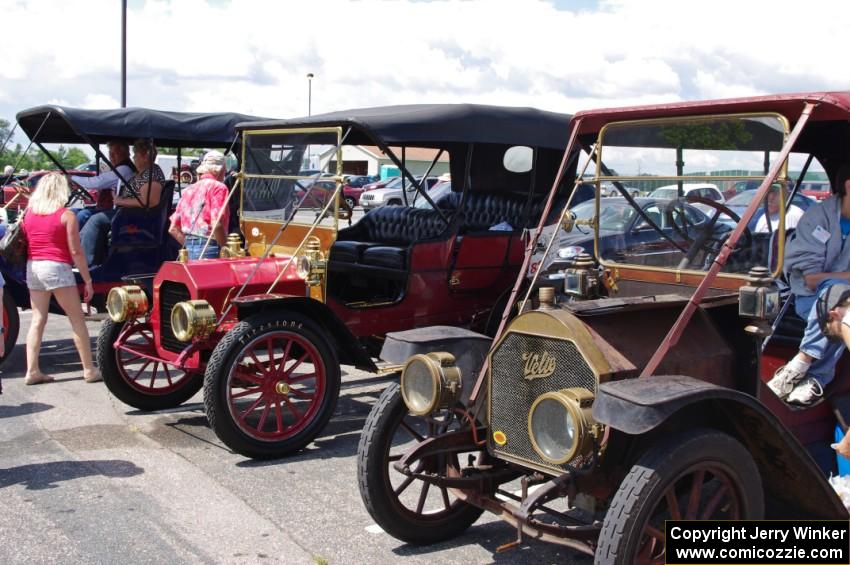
{"points": [[85, 478]]}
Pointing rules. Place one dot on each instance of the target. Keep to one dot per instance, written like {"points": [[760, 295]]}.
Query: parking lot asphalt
{"points": [[85, 478]]}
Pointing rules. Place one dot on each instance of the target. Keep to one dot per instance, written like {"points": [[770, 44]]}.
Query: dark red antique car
{"points": [[633, 394], [265, 330]]}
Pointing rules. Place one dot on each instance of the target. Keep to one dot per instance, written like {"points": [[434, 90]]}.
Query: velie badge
{"points": [[538, 365]]}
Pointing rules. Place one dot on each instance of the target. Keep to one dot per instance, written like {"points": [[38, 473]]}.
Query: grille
{"points": [[511, 394], [170, 293]]}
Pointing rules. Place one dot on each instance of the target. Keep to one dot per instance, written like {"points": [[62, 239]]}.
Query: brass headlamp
{"points": [[561, 425], [759, 300], [192, 319], [430, 382], [311, 266], [126, 302]]}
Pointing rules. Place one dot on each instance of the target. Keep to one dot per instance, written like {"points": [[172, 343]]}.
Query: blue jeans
{"points": [[815, 344], [83, 215], [195, 245], [93, 236]]}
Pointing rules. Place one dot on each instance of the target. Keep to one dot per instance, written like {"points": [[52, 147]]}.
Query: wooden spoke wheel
{"points": [[407, 508], [136, 379], [699, 475], [271, 385]]}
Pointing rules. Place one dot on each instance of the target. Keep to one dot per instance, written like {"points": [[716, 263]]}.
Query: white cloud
{"points": [[252, 56]]}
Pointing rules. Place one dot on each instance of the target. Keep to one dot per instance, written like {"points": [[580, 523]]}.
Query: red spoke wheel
{"points": [[408, 509], [699, 475], [271, 385], [11, 323], [134, 378]]}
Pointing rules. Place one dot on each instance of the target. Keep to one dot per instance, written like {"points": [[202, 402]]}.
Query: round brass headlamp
{"points": [[302, 267], [192, 319], [560, 425], [126, 302], [430, 382]]}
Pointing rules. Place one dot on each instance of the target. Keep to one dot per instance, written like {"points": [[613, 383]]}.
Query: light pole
{"points": [[309, 94]]}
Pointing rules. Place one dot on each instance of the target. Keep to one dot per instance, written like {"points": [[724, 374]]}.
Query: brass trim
{"points": [[133, 302], [433, 370]]}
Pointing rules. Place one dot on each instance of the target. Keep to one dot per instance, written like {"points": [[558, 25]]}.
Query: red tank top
{"points": [[47, 237]]}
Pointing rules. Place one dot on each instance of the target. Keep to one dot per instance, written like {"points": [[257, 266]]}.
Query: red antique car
{"points": [[634, 394], [265, 330]]}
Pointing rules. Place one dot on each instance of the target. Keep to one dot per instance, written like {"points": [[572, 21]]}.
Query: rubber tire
{"points": [[649, 477], [106, 356], [351, 202], [12, 327], [375, 485], [215, 393]]}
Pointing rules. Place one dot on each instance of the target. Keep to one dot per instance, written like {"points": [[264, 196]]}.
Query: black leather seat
{"points": [[349, 251], [385, 256]]}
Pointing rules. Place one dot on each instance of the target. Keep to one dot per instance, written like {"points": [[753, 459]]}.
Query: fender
{"points": [[349, 348], [795, 487]]}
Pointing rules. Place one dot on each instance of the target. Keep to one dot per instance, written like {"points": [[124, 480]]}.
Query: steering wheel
{"points": [[78, 191], [705, 239]]}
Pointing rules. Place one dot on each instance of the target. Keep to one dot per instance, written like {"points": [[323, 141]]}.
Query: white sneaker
{"points": [[784, 380], [806, 392]]}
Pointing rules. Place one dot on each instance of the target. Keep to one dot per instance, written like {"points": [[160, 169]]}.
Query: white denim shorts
{"points": [[49, 275]]}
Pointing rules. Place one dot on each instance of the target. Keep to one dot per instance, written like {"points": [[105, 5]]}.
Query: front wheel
{"points": [[699, 475], [11, 323], [271, 385], [407, 509], [134, 376]]}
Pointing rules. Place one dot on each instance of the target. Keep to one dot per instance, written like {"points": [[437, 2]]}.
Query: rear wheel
{"points": [[133, 376], [410, 510], [271, 385], [700, 475], [11, 324]]}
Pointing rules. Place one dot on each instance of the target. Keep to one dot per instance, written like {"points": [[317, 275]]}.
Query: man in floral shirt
{"points": [[202, 210]]}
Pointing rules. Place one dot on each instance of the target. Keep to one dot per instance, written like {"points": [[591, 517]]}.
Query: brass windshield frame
{"points": [[781, 177], [337, 178]]}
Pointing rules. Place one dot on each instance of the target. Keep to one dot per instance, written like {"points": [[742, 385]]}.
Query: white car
{"points": [[702, 189], [391, 194]]}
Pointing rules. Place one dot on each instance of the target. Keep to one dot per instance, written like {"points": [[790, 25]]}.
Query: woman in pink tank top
{"points": [[54, 248]]}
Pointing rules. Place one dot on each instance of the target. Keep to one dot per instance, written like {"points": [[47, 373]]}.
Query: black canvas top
{"points": [[436, 124], [168, 129]]}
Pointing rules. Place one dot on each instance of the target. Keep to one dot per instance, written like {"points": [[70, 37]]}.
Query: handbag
{"points": [[14, 246]]}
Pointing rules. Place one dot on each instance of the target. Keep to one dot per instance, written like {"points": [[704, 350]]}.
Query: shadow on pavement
{"points": [[494, 534], [25, 408], [38, 476]]}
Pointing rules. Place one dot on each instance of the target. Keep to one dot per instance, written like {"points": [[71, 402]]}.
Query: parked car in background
{"points": [[700, 189], [379, 183], [817, 189], [608, 189], [625, 233], [322, 190], [359, 181], [740, 202], [391, 194]]}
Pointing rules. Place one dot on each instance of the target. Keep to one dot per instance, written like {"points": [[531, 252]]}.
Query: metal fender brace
{"points": [[672, 337]]}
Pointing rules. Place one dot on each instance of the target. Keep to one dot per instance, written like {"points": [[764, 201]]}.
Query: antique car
{"points": [[266, 329], [138, 242], [631, 394]]}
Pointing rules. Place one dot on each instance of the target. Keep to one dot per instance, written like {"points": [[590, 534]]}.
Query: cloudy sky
{"points": [[253, 56]]}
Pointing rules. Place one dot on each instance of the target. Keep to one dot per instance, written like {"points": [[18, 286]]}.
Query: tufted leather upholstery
{"points": [[482, 211], [382, 236]]}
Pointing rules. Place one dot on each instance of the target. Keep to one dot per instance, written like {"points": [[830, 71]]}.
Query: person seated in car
{"points": [[146, 184], [107, 181], [202, 210], [816, 258], [792, 214]]}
